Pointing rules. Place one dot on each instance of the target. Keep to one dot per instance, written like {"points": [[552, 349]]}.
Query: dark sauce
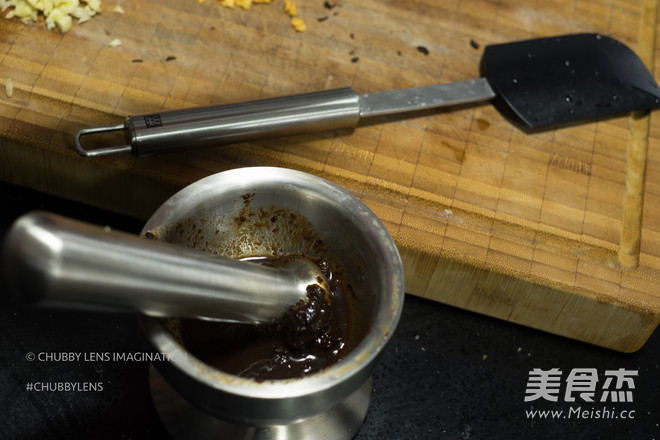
{"points": [[310, 337]]}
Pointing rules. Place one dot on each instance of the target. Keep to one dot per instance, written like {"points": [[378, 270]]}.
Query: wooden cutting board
{"points": [[558, 230]]}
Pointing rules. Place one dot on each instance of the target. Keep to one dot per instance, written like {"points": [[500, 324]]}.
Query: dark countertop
{"points": [[447, 373]]}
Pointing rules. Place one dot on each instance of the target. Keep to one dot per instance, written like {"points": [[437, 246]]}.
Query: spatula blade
{"points": [[556, 80]]}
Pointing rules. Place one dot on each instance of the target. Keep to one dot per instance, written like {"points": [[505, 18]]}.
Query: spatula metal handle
{"points": [[198, 127], [248, 121]]}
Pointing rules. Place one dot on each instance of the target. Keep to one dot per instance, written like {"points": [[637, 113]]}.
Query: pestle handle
{"points": [[52, 260]]}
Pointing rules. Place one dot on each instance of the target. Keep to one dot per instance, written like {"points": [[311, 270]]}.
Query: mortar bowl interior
{"points": [[232, 213]]}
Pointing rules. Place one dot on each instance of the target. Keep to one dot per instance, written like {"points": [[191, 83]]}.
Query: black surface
{"points": [[448, 373], [549, 81]]}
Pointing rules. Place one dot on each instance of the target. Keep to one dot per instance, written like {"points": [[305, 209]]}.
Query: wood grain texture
{"points": [[633, 199], [523, 227]]}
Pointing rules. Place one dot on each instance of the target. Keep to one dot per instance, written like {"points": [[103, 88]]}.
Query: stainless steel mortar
{"points": [[195, 400]]}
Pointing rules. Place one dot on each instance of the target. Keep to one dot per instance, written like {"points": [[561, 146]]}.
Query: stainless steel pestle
{"points": [[52, 260]]}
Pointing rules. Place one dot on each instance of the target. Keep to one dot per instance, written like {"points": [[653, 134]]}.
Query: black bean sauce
{"points": [[311, 336]]}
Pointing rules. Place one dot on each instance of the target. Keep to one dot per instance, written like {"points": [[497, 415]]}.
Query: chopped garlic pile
{"points": [[58, 13]]}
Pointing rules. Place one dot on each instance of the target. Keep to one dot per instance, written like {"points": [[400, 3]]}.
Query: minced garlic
{"points": [[298, 24], [58, 13], [289, 8]]}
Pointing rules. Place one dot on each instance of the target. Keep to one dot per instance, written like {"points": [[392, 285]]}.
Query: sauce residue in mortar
{"points": [[311, 336]]}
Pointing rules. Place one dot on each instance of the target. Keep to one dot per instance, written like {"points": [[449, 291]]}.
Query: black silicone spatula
{"points": [[543, 82], [550, 81]]}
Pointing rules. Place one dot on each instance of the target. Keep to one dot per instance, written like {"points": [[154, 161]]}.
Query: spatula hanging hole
{"points": [[107, 144]]}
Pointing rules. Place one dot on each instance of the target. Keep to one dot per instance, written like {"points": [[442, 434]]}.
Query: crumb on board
{"points": [[57, 13], [244, 4], [290, 9], [115, 43], [9, 88], [423, 50], [298, 24]]}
